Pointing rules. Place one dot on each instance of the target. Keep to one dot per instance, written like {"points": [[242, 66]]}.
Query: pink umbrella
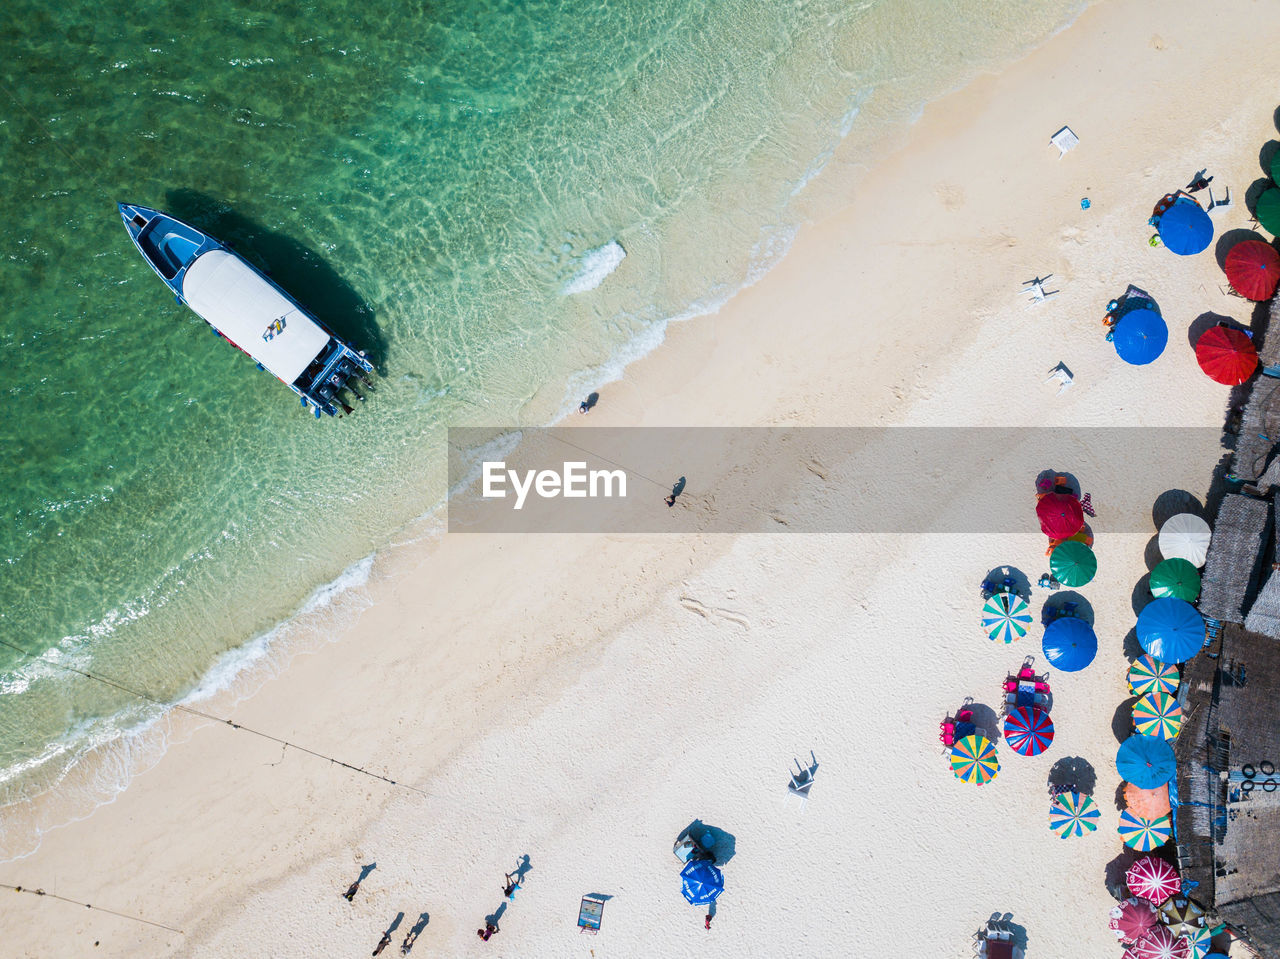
{"points": [[1160, 943], [1153, 879], [1132, 919]]}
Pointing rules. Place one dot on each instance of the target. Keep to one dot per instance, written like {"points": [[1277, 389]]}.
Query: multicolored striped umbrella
{"points": [[1073, 814], [1028, 730], [1153, 879], [1144, 834], [1175, 577], [1006, 616], [973, 760], [1199, 938], [1133, 919], [1148, 675], [1072, 563], [1160, 943], [1182, 915], [1157, 714]]}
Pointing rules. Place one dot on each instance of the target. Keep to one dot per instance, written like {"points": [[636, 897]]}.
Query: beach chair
{"points": [[1215, 204], [589, 913], [1065, 140], [802, 781], [947, 733]]}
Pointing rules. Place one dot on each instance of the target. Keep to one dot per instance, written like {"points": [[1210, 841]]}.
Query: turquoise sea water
{"points": [[433, 180]]}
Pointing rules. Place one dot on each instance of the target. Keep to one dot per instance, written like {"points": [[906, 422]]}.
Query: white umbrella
{"points": [[1185, 536]]}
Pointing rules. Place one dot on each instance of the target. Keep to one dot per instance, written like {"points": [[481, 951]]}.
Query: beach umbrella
{"points": [[1139, 336], [1133, 919], [1160, 943], [1185, 228], [1267, 211], [1182, 915], [1061, 515], [1028, 730], [1144, 834], [1069, 643], [1148, 675], [1199, 938], [1171, 630], [1177, 578], [1185, 536], [1145, 761], [973, 760], [702, 882], [1006, 616], [1153, 879], [1073, 814], [1157, 714], [1147, 803], [1072, 563], [1252, 269], [1227, 356]]}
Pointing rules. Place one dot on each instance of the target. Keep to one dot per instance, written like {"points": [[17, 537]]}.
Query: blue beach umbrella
{"points": [[1185, 228], [1140, 336], [703, 882], [1171, 630], [1146, 761], [1069, 643]]}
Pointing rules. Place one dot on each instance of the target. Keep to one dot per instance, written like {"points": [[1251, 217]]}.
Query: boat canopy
{"points": [[253, 314]]}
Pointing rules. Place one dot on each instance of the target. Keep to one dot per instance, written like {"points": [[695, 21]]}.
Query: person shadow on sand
{"points": [[675, 491]]}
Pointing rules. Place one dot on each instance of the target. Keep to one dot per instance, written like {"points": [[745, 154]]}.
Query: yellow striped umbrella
{"points": [[973, 760], [1148, 675], [1157, 714], [1144, 834]]}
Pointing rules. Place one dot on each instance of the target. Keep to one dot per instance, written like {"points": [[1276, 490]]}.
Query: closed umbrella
{"points": [[1139, 336], [1028, 730], [1185, 536], [1005, 617], [1133, 919], [1227, 356], [973, 760], [1072, 563], [1073, 814], [1157, 714], [1145, 761], [1182, 915], [702, 882], [1177, 578], [1069, 643], [1171, 630], [1144, 834], [1153, 879], [1160, 943], [1185, 228], [1252, 269], [1147, 803], [1148, 675], [1267, 211], [1060, 514]]}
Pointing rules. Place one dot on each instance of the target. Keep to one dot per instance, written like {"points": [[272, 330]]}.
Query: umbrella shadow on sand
{"points": [[1172, 502], [1141, 595], [1074, 771], [1021, 584], [1220, 250], [1131, 648], [1205, 322], [1054, 607], [1122, 720], [1114, 873], [718, 844]]}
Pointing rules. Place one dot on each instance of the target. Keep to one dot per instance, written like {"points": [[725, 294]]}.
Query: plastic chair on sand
{"points": [[995, 941], [589, 914], [802, 781], [947, 732]]}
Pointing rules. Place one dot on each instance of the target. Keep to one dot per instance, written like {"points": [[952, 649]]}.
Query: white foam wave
{"points": [[594, 266]]}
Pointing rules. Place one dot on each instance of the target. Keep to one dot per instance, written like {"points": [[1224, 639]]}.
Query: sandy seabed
{"points": [[580, 700]]}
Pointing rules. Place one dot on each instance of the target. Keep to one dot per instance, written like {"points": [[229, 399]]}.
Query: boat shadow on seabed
{"points": [[298, 269]]}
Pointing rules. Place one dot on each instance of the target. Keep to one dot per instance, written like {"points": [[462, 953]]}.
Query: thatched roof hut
{"points": [[1235, 558], [1259, 428]]}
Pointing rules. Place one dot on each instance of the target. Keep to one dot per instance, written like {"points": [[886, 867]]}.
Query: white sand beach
{"points": [[582, 699]]}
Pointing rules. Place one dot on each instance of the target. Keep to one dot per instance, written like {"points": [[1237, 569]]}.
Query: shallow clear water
{"points": [[431, 181]]}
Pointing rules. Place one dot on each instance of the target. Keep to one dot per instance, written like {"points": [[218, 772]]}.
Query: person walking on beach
{"points": [[512, 884], [382, 943], [350, 894], [488, 930], [1199, 182], [708, 922]]}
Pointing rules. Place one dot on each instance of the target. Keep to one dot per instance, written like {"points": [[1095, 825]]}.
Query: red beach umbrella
{"points": [[1060, 515], [1227, 356], [1252, 269], [1160, 943], [1133, 919], [1153, 879]]}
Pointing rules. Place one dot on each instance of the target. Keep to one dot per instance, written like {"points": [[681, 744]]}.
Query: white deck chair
{"points": [[1215, 204], [802, 781], [1064, 140], [1063, 376]]}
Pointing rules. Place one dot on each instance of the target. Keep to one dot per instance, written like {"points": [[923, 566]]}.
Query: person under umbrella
{"points": [[701, 882]]}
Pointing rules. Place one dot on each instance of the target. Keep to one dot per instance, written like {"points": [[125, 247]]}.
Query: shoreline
{"points": [[697, 370]]}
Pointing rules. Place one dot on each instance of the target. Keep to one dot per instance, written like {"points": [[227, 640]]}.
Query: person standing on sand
{"points": [[488, 930], [509, 889], [382, 943], [708, 922], [350, 894]]}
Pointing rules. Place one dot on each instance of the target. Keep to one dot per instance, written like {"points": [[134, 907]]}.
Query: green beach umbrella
{"points": [[1144, 834], [1157, 714], [1275, 169], [1268, 211], [1177, 578], [1006, 616], [1148, 675], [1073, 814], [1073, 563]]}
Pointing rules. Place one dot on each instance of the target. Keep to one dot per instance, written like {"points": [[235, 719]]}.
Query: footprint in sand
{"points": [[710, 612], [952, 196]]}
